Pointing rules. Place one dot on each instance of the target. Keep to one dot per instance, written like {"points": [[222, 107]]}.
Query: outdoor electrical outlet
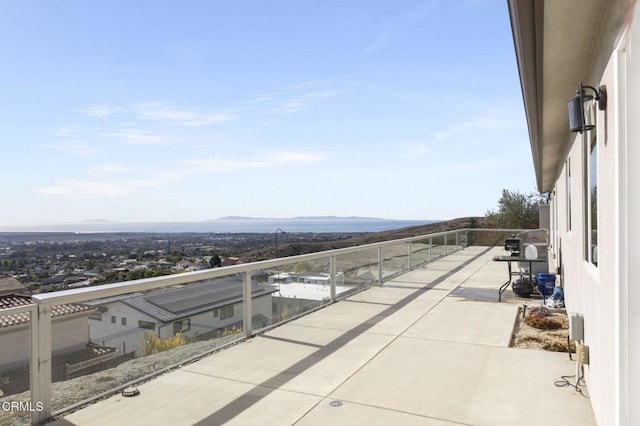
{"points": [[583, 354], [576, 326]]}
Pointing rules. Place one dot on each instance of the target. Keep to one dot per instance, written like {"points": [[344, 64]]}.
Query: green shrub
{"points": [[230, 331], [152, 344]]}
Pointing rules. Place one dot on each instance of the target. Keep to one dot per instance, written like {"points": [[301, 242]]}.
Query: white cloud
{"points": [[68, 132], [494, 120], [283, 100], [108, 180], [275, 94], [87, 188], [298, 103], [104, 169], [163, 112], [305, 84], [100, 111], [160, 179], [295, 157], [74, 147], [101, 183], [414, 150], [158, 111], [378, 44], [263, 97], [137, 137], [216, 165], [213, 165], [287, 100]]}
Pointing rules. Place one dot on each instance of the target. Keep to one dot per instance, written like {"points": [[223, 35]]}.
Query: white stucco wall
{"points": [[602, 294], [68, 334], [15, 346], [129, 337], [125, 338], [628, 293]]}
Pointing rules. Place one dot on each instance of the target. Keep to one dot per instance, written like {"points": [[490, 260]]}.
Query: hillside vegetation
{"points": [[287, 248]]}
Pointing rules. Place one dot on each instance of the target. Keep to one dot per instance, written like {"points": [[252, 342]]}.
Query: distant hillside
{"points": [[412, 231], [286, 249]]}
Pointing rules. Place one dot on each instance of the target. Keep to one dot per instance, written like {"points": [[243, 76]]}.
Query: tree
{"points": [[215, 261], [175, 256], [515, 211], [304, 266]]}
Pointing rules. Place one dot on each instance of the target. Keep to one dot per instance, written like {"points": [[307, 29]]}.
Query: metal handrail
{"points": [[84, 294], [43, 303]]}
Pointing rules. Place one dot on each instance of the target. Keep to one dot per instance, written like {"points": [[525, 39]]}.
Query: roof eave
{"points": [[526, 27], [557, 45]]}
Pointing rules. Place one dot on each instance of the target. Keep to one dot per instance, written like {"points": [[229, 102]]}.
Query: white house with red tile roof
{"points": [[69, 330], [10, 285]]}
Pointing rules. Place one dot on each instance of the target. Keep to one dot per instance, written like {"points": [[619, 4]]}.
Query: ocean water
{"points": [[229, 226]]}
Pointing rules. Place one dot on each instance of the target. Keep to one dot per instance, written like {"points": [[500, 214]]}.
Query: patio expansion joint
{"points": [[435, 269], [314, 327], [370, 302], [471, 274], [382, 349], [377, 407], [435, 339], [258, 385], [295, 342], [402, 287], [277, 381]]}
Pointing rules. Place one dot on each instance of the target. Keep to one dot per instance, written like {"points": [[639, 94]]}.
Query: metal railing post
{"points": [[246, 301], [332, 271], [445, 244], [41, 363], [380, 260], [41, 326]]}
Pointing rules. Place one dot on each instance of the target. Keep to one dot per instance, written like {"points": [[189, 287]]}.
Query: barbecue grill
{"points": [[512, 245]]}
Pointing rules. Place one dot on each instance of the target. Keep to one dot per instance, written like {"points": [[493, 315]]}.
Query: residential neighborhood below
{"points": [[52, 261], [103, 333]]}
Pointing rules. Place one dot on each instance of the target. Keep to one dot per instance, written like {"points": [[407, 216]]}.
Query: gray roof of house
{"points": [[177, 303]]}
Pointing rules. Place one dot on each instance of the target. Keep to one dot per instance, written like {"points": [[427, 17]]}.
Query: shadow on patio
{"points": [[428, 347]]}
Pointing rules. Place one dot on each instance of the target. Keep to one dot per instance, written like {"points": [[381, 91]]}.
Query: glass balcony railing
{"points": [[136, 329]]}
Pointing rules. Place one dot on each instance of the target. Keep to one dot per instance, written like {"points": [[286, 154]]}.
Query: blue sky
{"points": [[140, 111]]}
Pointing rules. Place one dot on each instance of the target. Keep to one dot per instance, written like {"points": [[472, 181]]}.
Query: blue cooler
{"points": [[546, 283]]}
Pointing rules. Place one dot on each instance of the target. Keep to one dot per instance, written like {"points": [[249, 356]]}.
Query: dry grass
{"points": [[543, 337], [546, 323]]}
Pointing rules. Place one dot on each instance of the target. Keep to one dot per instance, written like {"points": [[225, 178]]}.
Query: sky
{"points": [[148, 111]]}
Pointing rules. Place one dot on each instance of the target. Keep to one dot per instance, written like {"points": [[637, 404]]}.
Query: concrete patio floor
{"points": [[412, 352]]}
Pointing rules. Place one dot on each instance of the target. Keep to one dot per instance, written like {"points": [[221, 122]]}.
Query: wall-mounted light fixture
{"points": [[577, 119]]}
